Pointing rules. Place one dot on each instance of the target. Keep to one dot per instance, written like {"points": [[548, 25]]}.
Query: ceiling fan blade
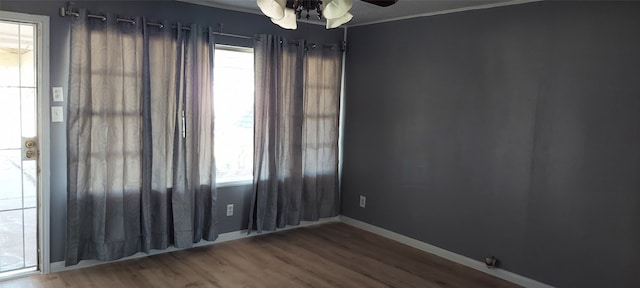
{"points": [[383, 3]]}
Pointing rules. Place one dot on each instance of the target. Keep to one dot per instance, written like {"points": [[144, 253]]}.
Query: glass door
{"points": [[18, 149]]}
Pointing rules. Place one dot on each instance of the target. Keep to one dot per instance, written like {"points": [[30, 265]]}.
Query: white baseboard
{"points": [[471, 263], [59, 266]]}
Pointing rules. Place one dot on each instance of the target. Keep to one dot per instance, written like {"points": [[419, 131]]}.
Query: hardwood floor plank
{"points": [[369, 266], [339, 276], [328, 255], [413, 261]]}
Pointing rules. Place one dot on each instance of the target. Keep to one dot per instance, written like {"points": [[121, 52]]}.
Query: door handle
{"points": [[31, 148]]}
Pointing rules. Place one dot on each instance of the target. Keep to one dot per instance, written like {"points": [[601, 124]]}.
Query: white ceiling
{"points": [[365, 13]]}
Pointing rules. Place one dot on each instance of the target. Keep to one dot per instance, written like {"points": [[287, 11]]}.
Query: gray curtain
{"points": [[140, 139], [194, 193], [322, 74], [292, 172]]}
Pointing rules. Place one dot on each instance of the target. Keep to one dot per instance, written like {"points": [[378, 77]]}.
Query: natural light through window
{"points": [[18, 173], [233, 102]]}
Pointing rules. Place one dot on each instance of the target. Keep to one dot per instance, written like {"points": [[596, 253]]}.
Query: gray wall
{"points": [[512, 131], [233, 22]]}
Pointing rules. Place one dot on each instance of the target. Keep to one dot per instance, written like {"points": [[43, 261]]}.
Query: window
{"points": [[233, 101]]}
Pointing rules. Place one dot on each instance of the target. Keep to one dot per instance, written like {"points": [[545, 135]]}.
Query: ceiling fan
{"points": [[383, 3], [285, 12]]}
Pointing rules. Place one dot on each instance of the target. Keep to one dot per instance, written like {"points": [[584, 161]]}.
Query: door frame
{"points": [[44, 176]]}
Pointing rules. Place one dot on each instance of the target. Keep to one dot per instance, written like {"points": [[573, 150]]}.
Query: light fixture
{"points": [[286, 12]]}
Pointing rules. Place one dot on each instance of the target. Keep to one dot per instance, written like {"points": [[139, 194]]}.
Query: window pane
{"points": [[28, 107], [9, 54], [29, 183], [27, 57], [30, 237], [11, 179], [9, 113], [12, 240], [233, 101]]}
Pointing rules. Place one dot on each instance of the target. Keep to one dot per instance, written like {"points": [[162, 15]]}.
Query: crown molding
{"points": [[449, 11]]}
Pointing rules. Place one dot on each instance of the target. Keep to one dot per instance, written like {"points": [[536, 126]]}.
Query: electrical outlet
{"points": [[229, 209], [58, 94], [363, 201]]}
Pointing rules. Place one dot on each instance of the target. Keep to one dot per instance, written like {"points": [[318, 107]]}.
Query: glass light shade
{"points": [[334, 23], [289, 20], [273, 8], [334, 9]]}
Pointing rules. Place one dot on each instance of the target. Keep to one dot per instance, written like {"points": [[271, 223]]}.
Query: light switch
{"points": [[57, 114], [58, 94]]}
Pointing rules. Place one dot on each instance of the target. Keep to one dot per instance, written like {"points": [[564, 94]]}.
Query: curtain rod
{"points": [[68, 12]]}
